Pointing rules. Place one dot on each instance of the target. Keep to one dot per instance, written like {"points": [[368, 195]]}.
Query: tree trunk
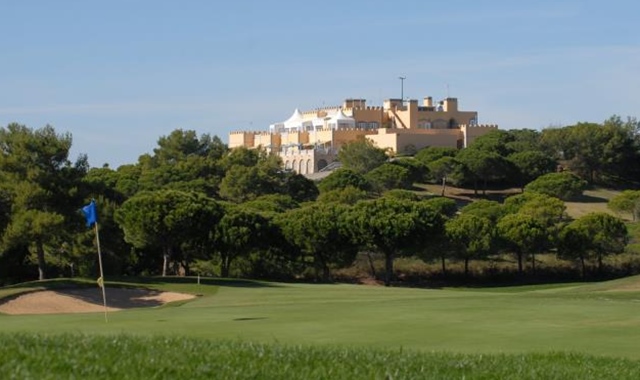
{"points": [[584, 269], [41, 261], [466, 268], [444, 185], [475, 187], [519, 262], [373, 268], [224, 268], [444, 265], [388, 268], [600, 264], [484, 186], [166, 257], [533, 263], [326, 273]]}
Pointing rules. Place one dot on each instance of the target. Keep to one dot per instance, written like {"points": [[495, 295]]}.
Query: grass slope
{"points": [[600, 319]]}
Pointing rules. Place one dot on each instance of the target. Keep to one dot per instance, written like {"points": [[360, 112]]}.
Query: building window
{"points": [[424, 124], [373, 125], [362, 125]]}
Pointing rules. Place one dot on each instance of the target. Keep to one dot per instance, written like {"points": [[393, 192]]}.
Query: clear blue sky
{"points": [[119, 74]]}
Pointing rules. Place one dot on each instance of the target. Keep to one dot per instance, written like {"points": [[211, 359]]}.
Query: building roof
{"points": [[340, 116]]}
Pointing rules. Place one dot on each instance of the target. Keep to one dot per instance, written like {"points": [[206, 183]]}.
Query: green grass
{"points": [[577, 318], [260, 330], [31, 356]]}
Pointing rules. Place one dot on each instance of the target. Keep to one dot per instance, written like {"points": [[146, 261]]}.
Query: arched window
{"points": [[309, 166], [293, 165], [302, 166]]}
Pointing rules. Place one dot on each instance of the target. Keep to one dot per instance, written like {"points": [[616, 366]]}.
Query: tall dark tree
{"points": [[531, 165], [393, 227], [628, 202], [560, 185], [167, 220], [433, 153], [524, 235], [593, 236], [320, 232], [471, 237], [389, 176], [240, 232], [42, 185], [361, 156], [597, 152], [484, 166], [343, 178]]}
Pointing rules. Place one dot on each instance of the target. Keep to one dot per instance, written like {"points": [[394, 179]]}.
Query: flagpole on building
{"points": [[101, 279]]}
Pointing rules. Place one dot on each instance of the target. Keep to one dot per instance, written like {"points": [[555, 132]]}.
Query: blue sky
{"points": [[119, 74]]}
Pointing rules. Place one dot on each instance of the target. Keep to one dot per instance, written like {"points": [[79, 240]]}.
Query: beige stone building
{"points": [[308, 141]]}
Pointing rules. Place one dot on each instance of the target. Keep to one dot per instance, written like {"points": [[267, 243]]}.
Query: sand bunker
{"points": [[87, 300]]}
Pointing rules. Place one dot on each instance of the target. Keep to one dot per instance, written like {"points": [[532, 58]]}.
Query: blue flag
{"points": [[90, 213]]}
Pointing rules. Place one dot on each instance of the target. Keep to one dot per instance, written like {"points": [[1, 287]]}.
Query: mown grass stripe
{"points": [[31, 356]]}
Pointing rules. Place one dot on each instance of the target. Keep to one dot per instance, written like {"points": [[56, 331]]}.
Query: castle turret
{"points": [[450, 105]]}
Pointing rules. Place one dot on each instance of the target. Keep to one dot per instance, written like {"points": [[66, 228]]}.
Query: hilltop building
{"points": [[308, 141]]}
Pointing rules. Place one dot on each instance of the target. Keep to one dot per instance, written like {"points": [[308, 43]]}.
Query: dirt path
{"points": [[87, 300]]}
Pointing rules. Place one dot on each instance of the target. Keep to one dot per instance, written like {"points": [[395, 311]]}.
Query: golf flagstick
{"points": [[101, 279]]}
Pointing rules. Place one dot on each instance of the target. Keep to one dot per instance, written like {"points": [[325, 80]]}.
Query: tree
{"points": [[389, 176], [627, 201], [496, 141], [560, 185], [392, 227], [402, 194], [471, 237], [298, 187], [241, 156], [241, 183], [191, 173], [524, 140], [348, 196], [433, 153], [42, 186], [524, 234], [240, 232], [418, 171], [483, 166], [168, 220], [597, 152], [485, 208], [181, 144], [319, 230], [361, 156], [594, 235], [531, 165], [437, 245], [343, 178], [542, 214], [272, 203], [444, 169]]}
